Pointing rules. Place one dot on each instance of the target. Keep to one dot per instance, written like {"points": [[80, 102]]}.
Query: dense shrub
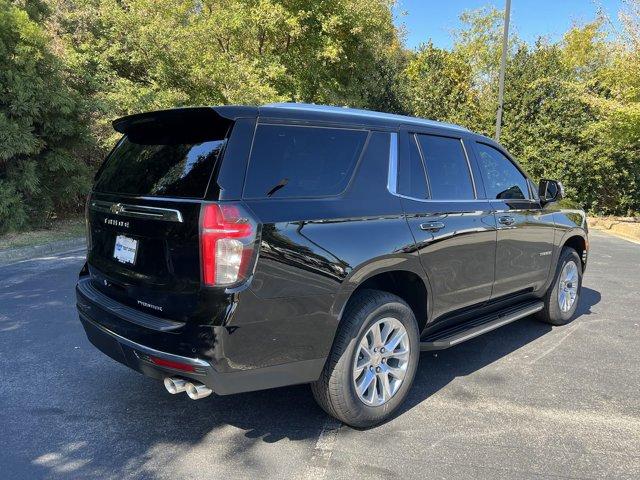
{"points": [[68, 68], [42, 126]]}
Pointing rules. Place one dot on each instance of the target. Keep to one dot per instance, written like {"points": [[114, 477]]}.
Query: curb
{"points": [[614, 234], [26, 253]]}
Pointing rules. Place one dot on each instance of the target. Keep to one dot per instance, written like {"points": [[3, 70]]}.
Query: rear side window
{"points": [[412, 181], [295, 161], [447, 168], [175, 170], [502, 179]]}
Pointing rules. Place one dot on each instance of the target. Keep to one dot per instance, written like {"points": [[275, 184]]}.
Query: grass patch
{"points": [[60, 230]]}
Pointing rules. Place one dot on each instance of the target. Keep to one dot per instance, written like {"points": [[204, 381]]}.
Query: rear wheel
{"points": [[372, 362], [561, 300]]}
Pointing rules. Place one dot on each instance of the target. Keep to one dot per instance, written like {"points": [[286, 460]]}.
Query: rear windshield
{"points": [[294, 161], [173, 170]]}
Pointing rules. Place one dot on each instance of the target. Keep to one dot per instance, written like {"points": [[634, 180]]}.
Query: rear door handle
{"points": [[431, 226], [506, 220]]}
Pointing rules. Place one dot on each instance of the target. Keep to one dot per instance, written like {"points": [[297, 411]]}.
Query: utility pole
{"points": [[503, 65]]}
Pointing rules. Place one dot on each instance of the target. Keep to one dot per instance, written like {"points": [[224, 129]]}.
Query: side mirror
{"points": [[550, 190]]}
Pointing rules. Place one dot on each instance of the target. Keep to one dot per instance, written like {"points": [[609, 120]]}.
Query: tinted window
{"points": [[411, 178], [501, 177], [447, 168], [288, 161], [177, 170], [533, 188]]}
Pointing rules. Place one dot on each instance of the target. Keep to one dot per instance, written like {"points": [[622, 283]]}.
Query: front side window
{"points": [[447, 168], [295, 161], [502, 179]]}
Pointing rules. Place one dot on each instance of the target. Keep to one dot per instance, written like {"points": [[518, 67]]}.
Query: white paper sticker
{"points": [[125, 249]]}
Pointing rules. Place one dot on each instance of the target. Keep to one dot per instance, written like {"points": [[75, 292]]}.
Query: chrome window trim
{"points": [[423, 161], [473, 179], [137, 211], [392, 177]]}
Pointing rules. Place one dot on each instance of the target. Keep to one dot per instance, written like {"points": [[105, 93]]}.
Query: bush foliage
{"points": [[43, 131], [69, 67]]}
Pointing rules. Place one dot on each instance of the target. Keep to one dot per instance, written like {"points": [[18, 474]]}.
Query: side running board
{"points": [[459, 333]]}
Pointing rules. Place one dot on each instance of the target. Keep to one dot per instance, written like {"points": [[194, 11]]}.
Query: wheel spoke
{"points": [[365, 347], [373, 390], [387, 329], [383, 379], [365, 382], [377, 338], [359, 368], [396, 372], [399, 355], [395, 340]]}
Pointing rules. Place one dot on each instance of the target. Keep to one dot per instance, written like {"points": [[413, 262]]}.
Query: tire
{"points": [[335, 390], [552, 312]]}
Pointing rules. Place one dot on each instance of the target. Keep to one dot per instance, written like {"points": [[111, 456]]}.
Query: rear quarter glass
{"points": [[170, 170], [296, 162]]}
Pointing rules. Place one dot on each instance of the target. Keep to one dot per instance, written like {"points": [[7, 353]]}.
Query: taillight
{"points": [[227, 243]]}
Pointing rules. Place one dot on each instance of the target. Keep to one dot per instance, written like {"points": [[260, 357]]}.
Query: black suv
{"points": [[241, 248]]}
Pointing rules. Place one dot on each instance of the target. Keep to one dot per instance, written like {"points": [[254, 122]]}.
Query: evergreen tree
{"points": [[42, 130]]}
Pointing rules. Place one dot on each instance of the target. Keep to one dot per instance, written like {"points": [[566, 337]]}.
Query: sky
{"points": [[434, 19]]}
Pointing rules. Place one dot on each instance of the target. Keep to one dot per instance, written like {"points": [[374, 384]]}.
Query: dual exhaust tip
{"points": [[195, 390]]}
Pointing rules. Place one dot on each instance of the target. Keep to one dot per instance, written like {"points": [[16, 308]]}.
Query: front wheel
{"points": [[372, 362], [561, 300]]}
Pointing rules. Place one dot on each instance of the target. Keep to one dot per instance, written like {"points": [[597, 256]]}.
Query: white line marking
{"points": [[317, 468]]}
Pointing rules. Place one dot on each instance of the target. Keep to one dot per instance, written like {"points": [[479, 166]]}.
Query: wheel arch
{"points": [[411, 286], [579, 242]]}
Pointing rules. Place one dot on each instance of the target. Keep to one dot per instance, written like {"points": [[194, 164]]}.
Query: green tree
{"points": [[439, 85], [138, 55], [479, 42], [42, 129], [546, 120], [566, 117], [68, 67]]}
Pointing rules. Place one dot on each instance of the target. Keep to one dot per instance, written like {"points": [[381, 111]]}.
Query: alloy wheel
{"points": [[568, 287], [381, 361]]}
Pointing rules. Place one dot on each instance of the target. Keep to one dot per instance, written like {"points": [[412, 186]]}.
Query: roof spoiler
{"points": [[181, 125], [178, 125]]}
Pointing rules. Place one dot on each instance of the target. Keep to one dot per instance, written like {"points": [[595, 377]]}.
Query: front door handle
{"points": [[506, 220], [431, 226]]}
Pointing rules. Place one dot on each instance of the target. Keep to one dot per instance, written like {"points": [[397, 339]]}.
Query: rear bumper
{"points": [[98, 321], [138, 357]]}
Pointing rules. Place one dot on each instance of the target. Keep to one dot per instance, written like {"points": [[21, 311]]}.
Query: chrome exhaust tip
{"points": [[175, 385], [197, 390]]}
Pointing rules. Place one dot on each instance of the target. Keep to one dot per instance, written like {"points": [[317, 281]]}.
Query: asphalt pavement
{"points": [[524, 401]]}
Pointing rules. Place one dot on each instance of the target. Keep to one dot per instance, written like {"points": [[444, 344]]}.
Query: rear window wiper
{"points": [[277, 186]]}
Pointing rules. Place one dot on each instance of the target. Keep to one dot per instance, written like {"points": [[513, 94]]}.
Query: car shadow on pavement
{"points": [[588, 298], [121, 424], [437, 369]]}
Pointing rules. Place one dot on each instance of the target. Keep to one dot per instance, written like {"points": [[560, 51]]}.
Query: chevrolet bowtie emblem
{"points": [[117, 208]]}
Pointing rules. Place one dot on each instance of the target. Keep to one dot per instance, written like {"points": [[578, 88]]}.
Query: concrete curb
{"points": [[621, 227], [24, 253]]}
